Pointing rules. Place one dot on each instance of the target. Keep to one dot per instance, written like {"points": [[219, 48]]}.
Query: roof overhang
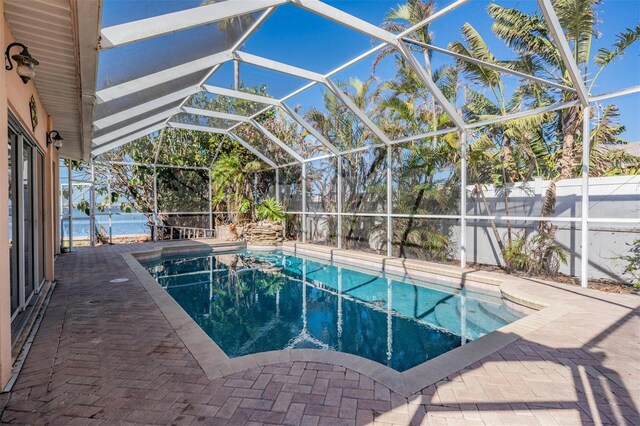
{"points": [[63, 36]]}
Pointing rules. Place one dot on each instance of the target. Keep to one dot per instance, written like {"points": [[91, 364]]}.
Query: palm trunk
{"points": [[569, 123], [405, 234], [360, 199]]}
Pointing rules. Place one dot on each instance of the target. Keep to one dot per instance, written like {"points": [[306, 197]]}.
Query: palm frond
{"points": [[624, 40]]}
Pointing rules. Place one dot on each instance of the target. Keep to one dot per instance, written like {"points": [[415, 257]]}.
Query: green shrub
{"points": [[271, 210]]}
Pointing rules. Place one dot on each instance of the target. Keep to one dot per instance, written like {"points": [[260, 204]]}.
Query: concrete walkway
{"points": [[105, 354]]}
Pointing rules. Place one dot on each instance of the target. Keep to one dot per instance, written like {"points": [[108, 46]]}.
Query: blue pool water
{"points": [[250, 302]]}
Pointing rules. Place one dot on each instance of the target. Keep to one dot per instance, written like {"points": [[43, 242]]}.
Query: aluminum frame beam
{"points": [[346, 19], [425, 135], [615, 94], [197, 128], [97, 150], [259, 61], [463, 198], [565, 51], [142, 29], [122, 131], [488, 65], [584, 231], [431, 86], [215, 114], [276, 140], [252, 149], [433, 17], [145, 107], [161, 77], [137, 163], [309, 128], [357, 111], [541, 110], [220, 91]]}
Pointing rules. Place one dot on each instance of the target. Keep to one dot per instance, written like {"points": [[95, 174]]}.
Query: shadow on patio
{"points": [[105, 354], [530, 383]]}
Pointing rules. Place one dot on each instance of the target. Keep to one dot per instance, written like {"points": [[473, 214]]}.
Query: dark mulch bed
{"points": [[609, 286]]}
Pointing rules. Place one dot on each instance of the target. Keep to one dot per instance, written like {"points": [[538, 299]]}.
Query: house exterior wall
{"points": [[14, 97]]}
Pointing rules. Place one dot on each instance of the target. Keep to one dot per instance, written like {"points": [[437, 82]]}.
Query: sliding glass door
{"points": [[26, 219], [40, 216], [26, 205], [13, 226]]}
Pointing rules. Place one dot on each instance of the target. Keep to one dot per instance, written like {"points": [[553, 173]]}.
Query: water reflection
{"points": [[254, 302]]}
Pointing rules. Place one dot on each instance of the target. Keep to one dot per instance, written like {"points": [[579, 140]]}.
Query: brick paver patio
{"points": [[105, 354]]}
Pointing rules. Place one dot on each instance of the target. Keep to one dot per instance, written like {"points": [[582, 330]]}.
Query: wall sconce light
{"points": [[26, 63], [53, 137]]}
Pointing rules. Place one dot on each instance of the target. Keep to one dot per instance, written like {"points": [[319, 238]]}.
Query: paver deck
{"points": [[105, 354]]}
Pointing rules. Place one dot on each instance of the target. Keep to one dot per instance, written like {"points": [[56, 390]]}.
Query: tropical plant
{"points": [[533, 146], [397, 20], [535, 254], [270, 210], [131, 186], [529, 36], [633, 262], [364, 182], [233, 190]]}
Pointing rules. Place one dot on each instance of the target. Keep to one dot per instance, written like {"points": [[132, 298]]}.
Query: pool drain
{"points": [[119, 280]]}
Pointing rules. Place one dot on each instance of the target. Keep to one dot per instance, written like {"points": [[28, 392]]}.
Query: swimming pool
{"points": [[250, 302]]}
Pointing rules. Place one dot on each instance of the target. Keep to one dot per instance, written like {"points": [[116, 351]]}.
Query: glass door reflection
{"points": [[13, 229], [27, 220]]}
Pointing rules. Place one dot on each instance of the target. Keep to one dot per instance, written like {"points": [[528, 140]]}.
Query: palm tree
{"points": [[529, 36], [508, 152], [363, 180], [400, 19], [230, 184], [421, 164]]}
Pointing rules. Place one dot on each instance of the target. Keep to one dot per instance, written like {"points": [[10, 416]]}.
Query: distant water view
{"points": [[121, 224]]}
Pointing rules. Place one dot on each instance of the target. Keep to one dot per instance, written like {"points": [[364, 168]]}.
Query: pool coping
{"points": [[215, 363]]}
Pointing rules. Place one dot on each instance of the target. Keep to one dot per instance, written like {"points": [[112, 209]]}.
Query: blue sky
{"points": [[302, 39]]}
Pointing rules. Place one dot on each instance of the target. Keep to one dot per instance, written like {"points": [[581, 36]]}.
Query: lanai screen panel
{"points": [[141, 150], [111, 112], [182, 190], [394, 96], [256, 79], [322, 185], [133, 123], [293, 29], [364, 181], [187, 149], [153, 74], [203, 120], [332, 117], [263, 185], [426, 177], [522, 78], [285, 128], [264, 144], [291, 188], [224, 104]]}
